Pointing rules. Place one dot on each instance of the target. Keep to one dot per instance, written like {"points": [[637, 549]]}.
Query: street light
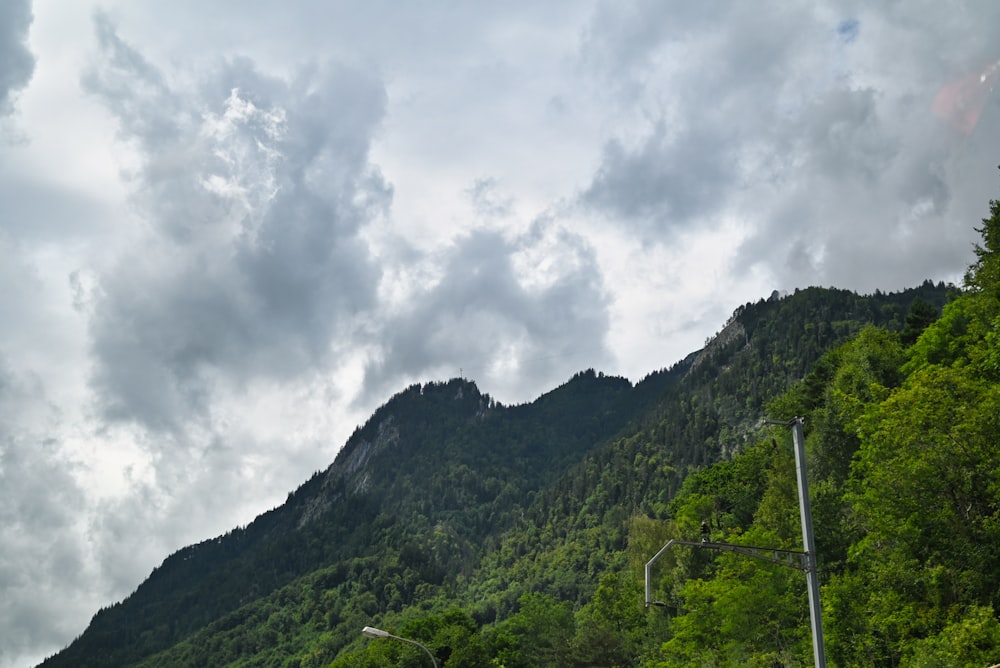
{"points": [[372, 632], [804, 561]]}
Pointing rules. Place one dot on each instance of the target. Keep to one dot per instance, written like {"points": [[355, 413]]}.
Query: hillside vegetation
{"points": [[515, 536]]}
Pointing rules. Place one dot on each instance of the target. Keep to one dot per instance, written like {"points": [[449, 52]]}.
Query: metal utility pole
{"points": [[803, 561], [809, 543]]}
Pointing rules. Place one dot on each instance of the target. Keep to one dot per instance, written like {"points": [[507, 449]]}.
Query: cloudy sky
{"points": [[230, 230]]}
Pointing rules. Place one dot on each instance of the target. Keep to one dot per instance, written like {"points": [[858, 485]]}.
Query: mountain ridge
{"points": [[441, 471]]}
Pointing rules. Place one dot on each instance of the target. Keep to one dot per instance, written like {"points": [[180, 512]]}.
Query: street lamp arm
{"points": [[414, 642], [372, 632], [802, 561]]}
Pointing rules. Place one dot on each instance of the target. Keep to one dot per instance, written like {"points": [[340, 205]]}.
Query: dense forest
{"points": [[516, 536]]}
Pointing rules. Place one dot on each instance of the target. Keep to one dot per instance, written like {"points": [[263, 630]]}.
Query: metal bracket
{"points": [[802, 561]]}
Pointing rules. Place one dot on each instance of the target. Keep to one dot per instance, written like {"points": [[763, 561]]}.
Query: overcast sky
{"points": [[230, 230]]}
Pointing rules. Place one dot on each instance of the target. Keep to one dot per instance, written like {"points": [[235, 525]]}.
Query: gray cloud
{"points": [[666, 181], [40, 565], [17, 63], [480, 315], [254, 192], [710, 85], [487, 200], [815, 129], [35, 212], [198, 349]]}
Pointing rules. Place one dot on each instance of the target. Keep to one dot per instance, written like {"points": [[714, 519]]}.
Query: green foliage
{"points": [[906, 499], [922, 314], [928, 498], [732, 610], [537, 635], [983, 276], [747, 614], [726, 495], [959, 338], [970, 642], [611, 628]]}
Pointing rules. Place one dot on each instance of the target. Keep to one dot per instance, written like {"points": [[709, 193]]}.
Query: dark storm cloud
{"points": [[844, 138], [480, 314], [815, 131], [708, 83], [254, 190], [16, 61], [873, 203], [666, 181]]}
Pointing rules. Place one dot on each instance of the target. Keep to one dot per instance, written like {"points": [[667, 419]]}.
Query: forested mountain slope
{"points": [[508, 535], [901, 436]]}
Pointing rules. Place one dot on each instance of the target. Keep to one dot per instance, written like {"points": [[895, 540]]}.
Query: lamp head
{"points": [[373, 632]]}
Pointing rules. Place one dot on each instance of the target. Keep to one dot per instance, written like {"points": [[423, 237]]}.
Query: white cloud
{"points": [[254, 190]]}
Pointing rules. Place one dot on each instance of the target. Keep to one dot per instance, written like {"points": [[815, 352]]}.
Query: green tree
{"points": [[984, 274], [928, 498], [750, 613], [538, 635], [922, 314], [612, 627], [973, 641]]}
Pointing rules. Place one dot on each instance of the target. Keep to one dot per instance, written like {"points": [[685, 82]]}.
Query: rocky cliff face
{"points": [[350, 474]]}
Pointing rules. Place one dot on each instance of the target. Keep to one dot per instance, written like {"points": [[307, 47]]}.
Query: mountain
{"points": [[491, 531]]}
